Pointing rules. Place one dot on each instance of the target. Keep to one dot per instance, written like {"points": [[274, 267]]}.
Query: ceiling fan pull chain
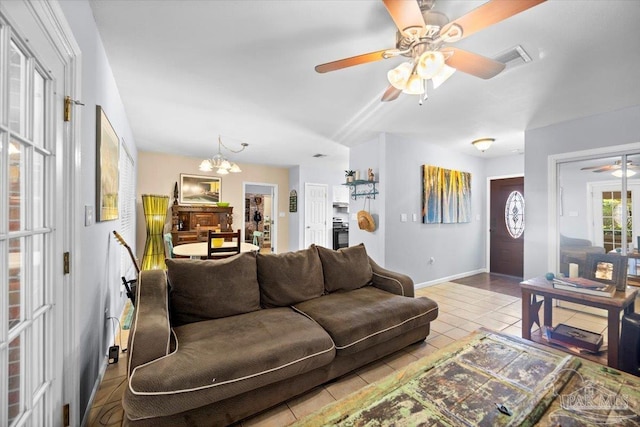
{"points": [[426, 96]]}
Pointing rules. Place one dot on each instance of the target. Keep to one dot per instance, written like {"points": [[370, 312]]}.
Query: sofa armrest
{"points": [[150, 334], [390, 281]]}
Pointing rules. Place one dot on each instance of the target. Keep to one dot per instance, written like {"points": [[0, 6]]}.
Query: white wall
{"points": [[99, 254], [362, 157], [458, 249], [602, 130], [504, 165]]}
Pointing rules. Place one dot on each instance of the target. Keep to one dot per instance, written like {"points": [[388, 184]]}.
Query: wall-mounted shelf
{"points": [[368, 188]]}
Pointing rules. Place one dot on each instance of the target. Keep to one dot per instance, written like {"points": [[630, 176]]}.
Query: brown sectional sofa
{"points": [[215, 341]]}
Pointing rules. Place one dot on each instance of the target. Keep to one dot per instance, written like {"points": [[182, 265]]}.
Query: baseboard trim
{"points": [[448, 278]]}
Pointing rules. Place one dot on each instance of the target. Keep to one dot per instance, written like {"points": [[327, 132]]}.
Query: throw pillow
{"points": [[210, 289], [345, 269], [289, 278]]}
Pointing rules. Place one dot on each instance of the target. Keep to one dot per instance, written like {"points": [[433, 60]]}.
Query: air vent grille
{"points": [[514, 57]]}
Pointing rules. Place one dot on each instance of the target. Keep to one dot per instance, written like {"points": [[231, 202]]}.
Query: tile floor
{"points": [[463, 309]]}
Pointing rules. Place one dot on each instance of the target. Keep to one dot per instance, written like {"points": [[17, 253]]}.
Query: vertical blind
{"points": [[127, 209]]}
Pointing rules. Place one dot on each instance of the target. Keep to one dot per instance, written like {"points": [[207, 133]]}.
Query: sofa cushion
{"points": [[209, 289], [359, 319], [289, 278], [346, 268], [221, 358]]}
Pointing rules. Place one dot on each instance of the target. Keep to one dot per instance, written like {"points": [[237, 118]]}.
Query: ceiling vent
{"points": [[513, 57]]}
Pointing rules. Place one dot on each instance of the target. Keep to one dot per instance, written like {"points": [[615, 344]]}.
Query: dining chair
{"points": [[168, 246], [256, 238], [202, 231], [223, 251]]}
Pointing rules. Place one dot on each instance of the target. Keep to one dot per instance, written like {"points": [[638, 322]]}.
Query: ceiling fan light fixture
{"points": [[442, 76], [399, 76], [483, 144], [618, 173], [430, 64], [415, 85]]}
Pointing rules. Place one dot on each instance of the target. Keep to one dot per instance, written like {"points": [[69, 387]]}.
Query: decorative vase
{"points": [[155, 213], [357, 177]]}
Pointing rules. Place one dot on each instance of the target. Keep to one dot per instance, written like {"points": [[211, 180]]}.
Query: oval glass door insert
{"points": [[514, 214]]}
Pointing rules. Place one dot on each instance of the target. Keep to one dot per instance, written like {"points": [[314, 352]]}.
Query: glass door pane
{"points": [[26, 293]]}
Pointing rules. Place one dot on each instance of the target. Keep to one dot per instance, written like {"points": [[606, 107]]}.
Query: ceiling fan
{"points": [[615, 166], [423, 37]]}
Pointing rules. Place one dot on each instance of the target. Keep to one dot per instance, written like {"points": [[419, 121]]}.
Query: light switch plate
{"points": [[403, 217], [89, 218]]}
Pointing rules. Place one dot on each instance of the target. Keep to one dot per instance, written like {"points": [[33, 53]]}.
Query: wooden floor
{"points": [[507, 285]]}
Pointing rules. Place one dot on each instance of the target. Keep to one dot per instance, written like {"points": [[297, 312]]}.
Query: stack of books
{"points": [[584, 286]]}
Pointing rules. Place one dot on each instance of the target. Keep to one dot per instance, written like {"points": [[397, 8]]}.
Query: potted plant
{"points": [[349, 174]]}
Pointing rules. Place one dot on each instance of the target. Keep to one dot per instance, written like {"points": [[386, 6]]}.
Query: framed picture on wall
{"points": [[107, 168], [199, 189]]}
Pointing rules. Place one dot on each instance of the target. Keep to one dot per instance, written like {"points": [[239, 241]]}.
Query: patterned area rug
{"points": [[490, 379]]}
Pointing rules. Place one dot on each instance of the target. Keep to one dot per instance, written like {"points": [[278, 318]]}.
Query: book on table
{"points": [[584, 286]]}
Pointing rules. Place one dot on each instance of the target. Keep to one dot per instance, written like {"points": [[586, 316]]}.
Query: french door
{"points": [[32, 195], [607, 207]]}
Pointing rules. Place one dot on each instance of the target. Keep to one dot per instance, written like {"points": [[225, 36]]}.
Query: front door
{"points": [[32, 228], [506, 226]]}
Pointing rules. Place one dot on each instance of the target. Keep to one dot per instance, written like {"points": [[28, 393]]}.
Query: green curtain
{"points": [[155, 213]]}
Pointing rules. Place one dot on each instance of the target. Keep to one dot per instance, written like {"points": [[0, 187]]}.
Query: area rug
{"points": [[491, 379]]}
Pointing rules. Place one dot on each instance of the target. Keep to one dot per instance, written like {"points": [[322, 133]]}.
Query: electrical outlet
{"points": [[114, 352]]}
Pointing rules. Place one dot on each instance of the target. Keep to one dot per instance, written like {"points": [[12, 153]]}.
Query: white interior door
{"points": [[315, 214], [32, 87]]}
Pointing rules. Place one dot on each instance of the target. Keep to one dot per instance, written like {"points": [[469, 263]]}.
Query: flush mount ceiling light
{"points": [[220, 163], [483, 144]]}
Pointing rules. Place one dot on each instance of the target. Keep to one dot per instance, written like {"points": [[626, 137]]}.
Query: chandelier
{"points": [[219, 163]]}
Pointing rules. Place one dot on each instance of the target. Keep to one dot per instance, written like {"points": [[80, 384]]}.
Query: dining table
{"points": [[198, 250]]}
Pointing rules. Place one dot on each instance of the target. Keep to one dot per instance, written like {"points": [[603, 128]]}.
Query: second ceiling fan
{"points": [[423, 35]]}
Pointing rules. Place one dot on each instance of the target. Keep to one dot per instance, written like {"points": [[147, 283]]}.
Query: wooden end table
{"points": [[621, 301]]}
